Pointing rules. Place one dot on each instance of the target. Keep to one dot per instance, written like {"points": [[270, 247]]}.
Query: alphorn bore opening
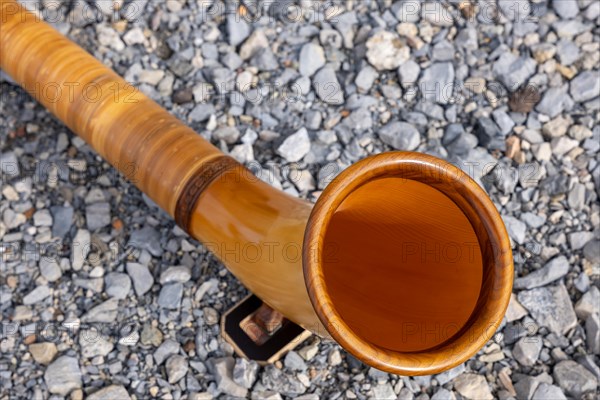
{"points": [[404, 265], [403, 262]]}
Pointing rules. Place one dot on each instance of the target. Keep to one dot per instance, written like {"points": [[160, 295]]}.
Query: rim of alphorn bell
{"points": [[493, 241]]}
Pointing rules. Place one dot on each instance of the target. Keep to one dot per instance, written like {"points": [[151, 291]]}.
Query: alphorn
{"points": [[403, 259]]}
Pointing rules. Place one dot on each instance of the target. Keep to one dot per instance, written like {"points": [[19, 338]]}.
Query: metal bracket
{"points": [[258, 332]]}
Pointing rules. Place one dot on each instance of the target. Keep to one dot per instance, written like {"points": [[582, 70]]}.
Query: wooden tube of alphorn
{"points": [[403, 260]]}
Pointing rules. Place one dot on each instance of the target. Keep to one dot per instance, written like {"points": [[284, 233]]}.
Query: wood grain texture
{"points": [[271, 241], [416, 279], [152, 148], [257, 232], [210, 195], [494, 246]]}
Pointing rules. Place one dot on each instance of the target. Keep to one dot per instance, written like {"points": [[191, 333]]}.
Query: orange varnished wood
{"points": [[151, 147], [348, 268], [257, 231], [450, 197], [167, 160], [419, 281]]}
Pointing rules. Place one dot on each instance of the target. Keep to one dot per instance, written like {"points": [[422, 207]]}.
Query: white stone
{"points": [[151, 77], [312, 58], [385, 50], [134, 36], [295, 146], [473, 386], [80, 248], [63, 376]]}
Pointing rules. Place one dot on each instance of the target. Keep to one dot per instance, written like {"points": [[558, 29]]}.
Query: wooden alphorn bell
{"points": [[403, 260]]}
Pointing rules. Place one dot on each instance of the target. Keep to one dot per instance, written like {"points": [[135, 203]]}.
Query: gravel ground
{"points": [[506, 89]]}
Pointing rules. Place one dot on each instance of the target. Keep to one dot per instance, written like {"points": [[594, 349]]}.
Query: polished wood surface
{"points": [[152, 148], [210, 195], [282, 251], [416, 280], [257, 232], [340, 289]]}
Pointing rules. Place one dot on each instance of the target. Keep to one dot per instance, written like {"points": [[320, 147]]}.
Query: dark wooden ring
{"points": [[207, 173]]}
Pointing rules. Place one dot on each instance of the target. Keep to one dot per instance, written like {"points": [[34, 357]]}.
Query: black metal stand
{"points": [[259, 333]]}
